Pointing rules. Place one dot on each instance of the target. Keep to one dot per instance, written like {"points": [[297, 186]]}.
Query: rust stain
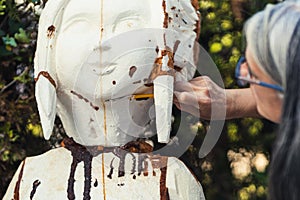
{"points": [[103, 102], [166, 22], [138, 147], [50, 31], [164, 193], [177, 69], [103, 178], [18, 183], [195, 4], [104, 120], [132, 70], [47, 76], [157, 67], [145, 168], [86, 100]]}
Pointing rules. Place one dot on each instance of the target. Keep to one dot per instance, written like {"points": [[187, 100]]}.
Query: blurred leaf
{"points": [[216, 47], [9, 41], [35, 129], [22, 36]]}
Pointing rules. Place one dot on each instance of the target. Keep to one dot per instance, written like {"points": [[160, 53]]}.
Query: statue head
{"points": [[107, 67]]}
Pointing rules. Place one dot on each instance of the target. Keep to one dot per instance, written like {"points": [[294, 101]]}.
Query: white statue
{"points": [[107, 68]]}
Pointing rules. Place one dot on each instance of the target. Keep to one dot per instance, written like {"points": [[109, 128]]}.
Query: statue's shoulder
{"points": [[36, 169], [56, 154], [181, 180]]}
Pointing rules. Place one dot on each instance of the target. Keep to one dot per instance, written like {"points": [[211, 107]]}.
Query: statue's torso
{"points": [[59, 174]]}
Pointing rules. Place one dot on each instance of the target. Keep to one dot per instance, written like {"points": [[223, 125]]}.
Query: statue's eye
{"points": [[127, 23]]}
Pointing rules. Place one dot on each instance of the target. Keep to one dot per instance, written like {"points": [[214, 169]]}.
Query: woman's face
{"points": [[268, 101]]}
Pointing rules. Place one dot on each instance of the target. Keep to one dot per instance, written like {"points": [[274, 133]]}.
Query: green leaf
{"points": [[10, 41], [2, 7], [22, 36]]}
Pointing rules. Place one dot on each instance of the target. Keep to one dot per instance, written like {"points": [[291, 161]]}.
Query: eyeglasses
{"points": [[243, 80]]}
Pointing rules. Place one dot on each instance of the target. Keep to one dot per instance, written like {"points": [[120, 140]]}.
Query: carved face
{"points": [[110, 58]]}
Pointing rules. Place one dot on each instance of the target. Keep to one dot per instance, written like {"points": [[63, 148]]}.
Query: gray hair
{"points": [[272, 39]]}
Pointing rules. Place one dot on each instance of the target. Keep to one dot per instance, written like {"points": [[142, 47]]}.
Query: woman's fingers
{"points": [[189, 98], [188, 108]]}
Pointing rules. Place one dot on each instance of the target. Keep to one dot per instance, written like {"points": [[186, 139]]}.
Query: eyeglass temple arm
{"points": [[261, 83], [275, 87]]}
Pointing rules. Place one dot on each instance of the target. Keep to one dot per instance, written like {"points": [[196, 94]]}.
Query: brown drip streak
{"points": [[71, 180], [111, 169], [176, 46], [17, 187], [85, 154], [35, 184], [121, 154], [79, 154], [47, 76], [140, 164], [86, 100], [134, 165], [88, 175]]}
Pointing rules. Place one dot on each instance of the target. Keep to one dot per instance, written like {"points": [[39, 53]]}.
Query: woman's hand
{"points": [[205, 99]]}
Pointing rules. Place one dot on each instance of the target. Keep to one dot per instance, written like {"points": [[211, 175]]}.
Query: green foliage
{"points": [[2, 7], [229, 171], [20, 135]]}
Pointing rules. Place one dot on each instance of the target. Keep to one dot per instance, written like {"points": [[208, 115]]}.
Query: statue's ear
{"points": [[45, 94], [45, 63]]}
